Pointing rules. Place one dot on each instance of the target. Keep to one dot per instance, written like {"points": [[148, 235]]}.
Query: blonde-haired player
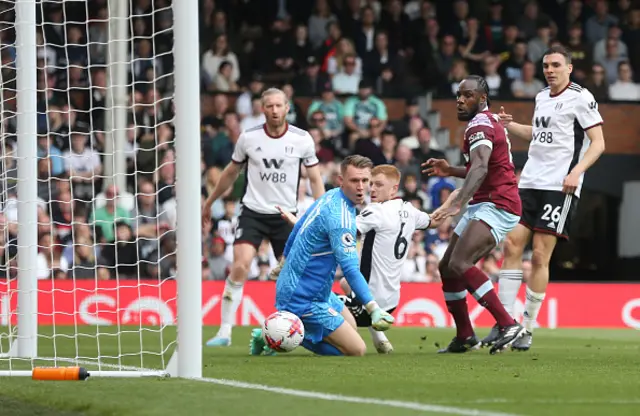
{"points": [[272, 153], [387, 226]]}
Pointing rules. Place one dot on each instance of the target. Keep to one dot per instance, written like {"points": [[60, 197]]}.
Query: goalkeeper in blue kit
{"points": [[322, 239]]}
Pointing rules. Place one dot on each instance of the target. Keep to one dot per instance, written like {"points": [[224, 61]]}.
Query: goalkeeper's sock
{"points": [[377, 336], [482, 289], [321, 348], [455, 296], [509, 284], [532, 305], [231, 299]]}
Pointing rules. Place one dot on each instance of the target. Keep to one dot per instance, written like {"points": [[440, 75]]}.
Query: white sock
{"points": [[377, 336], [231, 298], [508, 287], [531, 308]]}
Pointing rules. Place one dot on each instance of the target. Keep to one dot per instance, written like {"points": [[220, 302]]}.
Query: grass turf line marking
{"points": [[422, 407], [542, 401]]}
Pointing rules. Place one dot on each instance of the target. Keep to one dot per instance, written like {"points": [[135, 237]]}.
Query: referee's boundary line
{"points": [[420, 407]]}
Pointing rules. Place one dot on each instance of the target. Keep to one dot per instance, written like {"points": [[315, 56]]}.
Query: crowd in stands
{"points": [[348, 56]]}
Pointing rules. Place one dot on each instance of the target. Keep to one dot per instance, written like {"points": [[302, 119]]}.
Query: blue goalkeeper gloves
{"points": [[380, 320]]}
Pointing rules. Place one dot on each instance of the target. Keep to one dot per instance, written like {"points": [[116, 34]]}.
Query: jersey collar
{"points": [[561, 91], [349, 202], [264, 127]]}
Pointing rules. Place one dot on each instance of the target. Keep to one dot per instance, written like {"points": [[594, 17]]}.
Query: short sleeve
{"points": [[479, 132], [587, 112], [309, 157], [370, 218], [239, 155], [422, 219]]}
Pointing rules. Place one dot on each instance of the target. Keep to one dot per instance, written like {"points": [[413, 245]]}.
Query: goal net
{"points": [[92, 236]]}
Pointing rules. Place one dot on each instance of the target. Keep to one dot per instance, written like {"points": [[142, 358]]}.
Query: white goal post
{"points": [[100, 188]]}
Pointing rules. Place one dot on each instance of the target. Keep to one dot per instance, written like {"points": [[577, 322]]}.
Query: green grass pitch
{"points": [[568, 372]]}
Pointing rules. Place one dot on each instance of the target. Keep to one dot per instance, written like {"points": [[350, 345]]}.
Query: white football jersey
{"points": [[559, 137], [273, 167], [388, 229]]}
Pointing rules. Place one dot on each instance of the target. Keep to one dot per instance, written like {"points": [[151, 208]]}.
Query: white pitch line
{"points": [[422, 407], [541, 401]]}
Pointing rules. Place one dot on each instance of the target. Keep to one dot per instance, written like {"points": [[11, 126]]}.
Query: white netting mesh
{"points": [[106, 196]]}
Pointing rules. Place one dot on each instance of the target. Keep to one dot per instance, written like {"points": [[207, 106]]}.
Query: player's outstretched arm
{"points": [[440, 167], [439, 215], [593, 153], [521, 131], [227, 178]]}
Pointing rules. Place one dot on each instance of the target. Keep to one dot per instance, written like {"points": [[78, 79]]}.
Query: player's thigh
{"points": [[443, 266], [476, 241], [348, 317], [347, 339], [515, 242], [243, 255]]}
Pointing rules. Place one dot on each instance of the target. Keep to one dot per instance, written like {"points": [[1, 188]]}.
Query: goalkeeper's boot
{"points": [[523, 343], [490, 339], [384, 347], [219, 341], [508, 335], [459, 346], [257, 345]]}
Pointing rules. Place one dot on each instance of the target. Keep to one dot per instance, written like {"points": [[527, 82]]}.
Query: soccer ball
{"points": [[283, 331]]}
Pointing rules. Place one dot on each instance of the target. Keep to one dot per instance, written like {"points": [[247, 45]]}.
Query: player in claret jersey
{"points": [[491, 189]]}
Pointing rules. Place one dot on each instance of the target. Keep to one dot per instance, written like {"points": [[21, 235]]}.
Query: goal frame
{"points": [[186, 361]]}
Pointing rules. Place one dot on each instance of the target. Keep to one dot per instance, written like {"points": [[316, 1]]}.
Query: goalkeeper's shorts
{"points": [[320, 319]]}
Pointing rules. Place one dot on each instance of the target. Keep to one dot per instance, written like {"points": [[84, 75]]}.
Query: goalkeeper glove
{"points": [[380, 320]]}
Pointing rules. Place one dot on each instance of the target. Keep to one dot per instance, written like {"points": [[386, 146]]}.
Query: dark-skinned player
{"points": [[494, 208]]}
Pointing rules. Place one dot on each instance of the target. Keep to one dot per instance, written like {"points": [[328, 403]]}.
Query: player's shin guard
{"points": [[231, 299], [482, 289], [509, 284], [455, 296], [321, 348], [532, 306]]}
